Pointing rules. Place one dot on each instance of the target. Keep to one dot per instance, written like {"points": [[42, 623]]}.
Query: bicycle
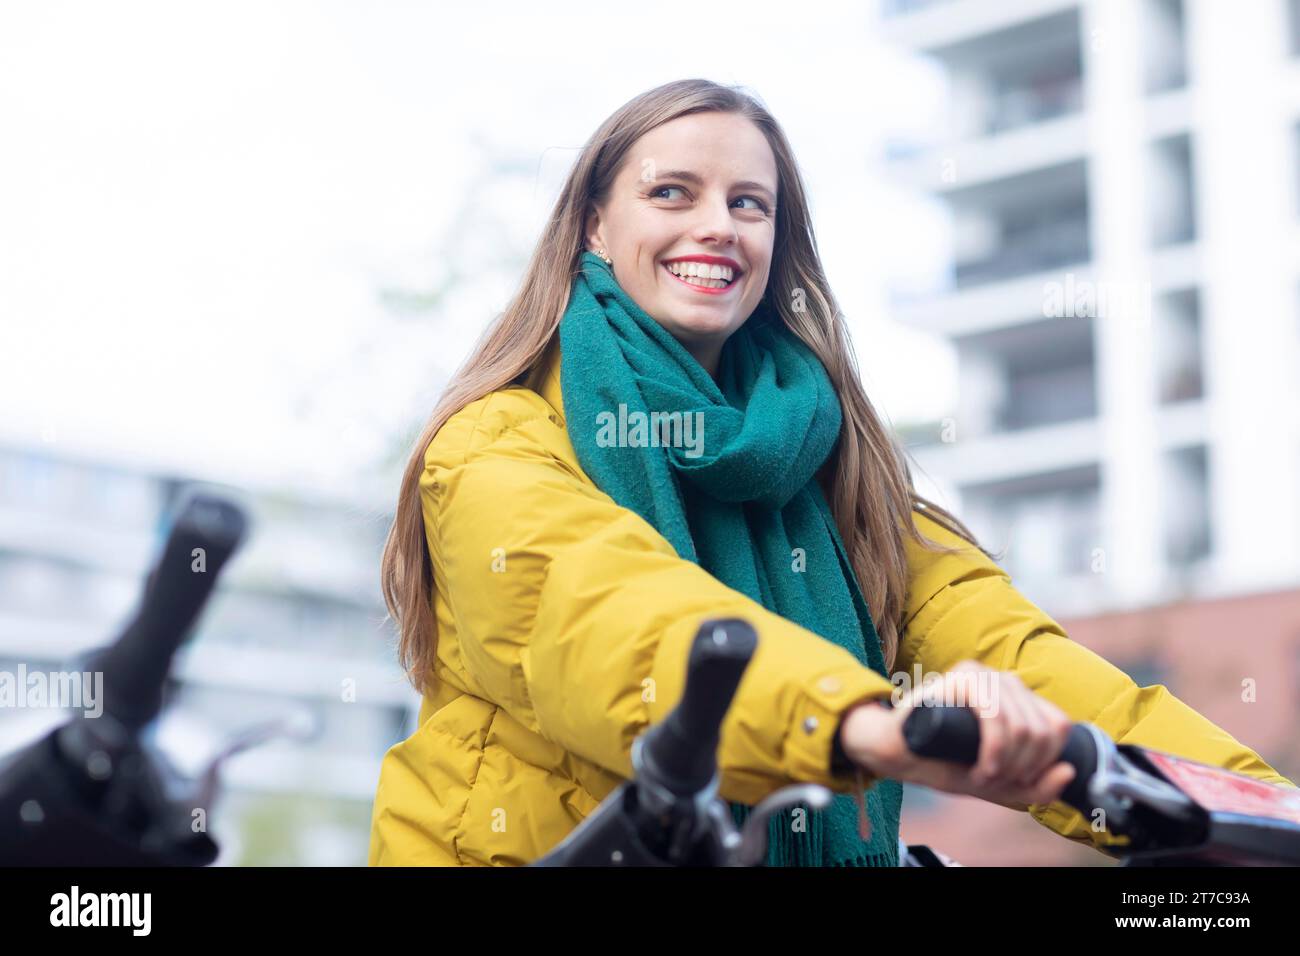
{"points": [[1173, 811], [93, 792]]}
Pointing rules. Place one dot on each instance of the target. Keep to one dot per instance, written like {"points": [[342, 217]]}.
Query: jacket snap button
{"points": [[809, 724], [829, 684]]}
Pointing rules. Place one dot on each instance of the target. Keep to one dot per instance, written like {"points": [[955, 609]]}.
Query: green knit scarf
{"points": [[725, 471]]}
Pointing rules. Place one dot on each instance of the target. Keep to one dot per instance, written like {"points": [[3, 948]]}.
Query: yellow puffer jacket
{"points": [[564, 622]]}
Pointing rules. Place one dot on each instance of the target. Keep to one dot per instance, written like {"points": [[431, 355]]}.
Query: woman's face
{"points": [[697, 194]]}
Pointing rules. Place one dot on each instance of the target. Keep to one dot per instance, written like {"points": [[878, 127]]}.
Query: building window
{"points": [[1187, 506], [1179, 371], [1172, 210], [1166, 56]]}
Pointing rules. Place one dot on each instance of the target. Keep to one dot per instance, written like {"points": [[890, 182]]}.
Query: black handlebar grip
{"points": [[943, 733], [205, 533], [1080, 753], [681, 751], [953, 733]]}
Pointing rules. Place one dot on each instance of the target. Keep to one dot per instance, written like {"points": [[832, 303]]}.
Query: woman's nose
{"points": [[715, 222]]}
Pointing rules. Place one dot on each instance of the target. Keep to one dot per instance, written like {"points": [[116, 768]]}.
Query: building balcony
{"points": [[955, 312], [931, 26], [1001, 456]]}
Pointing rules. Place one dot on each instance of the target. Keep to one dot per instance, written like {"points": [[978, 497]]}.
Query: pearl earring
{"points": [[604, 255]]}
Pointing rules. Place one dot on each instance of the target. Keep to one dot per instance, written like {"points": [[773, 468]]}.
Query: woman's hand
{"points": [[1021, 737]]}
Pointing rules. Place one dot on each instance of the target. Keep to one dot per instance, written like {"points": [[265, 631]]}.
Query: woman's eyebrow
{"points": [[685, 175]]}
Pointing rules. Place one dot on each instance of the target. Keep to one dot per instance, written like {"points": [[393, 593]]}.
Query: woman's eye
{"points": [[658, 193]]}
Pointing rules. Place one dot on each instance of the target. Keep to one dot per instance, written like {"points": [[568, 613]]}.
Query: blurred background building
{"points": [[294, 630], [1123, 295]]}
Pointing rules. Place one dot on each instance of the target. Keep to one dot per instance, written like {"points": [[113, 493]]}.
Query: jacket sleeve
{"points": [[576, 616], [963, 607]]}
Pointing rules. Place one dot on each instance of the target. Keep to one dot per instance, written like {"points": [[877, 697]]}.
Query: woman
{"points": [[665, 426]]}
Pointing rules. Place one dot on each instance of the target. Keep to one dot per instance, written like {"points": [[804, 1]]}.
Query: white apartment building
{"points": [[1123, 184]]}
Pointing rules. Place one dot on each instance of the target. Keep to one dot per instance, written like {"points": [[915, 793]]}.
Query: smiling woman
{"points": [[548, 577]]}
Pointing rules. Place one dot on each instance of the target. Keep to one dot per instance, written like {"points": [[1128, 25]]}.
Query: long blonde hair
{"points": [[866, 478]]}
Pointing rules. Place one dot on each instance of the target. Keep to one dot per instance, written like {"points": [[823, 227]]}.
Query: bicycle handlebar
{"points": [[953, 733], [204, 535], [680, 752], [91, 788]]}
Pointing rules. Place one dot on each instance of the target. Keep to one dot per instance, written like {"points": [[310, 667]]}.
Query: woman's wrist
{"points": [[862, 724]]}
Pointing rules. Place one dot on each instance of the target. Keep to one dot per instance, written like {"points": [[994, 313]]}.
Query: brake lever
{"points": [[300, 725], [1118, 786]]}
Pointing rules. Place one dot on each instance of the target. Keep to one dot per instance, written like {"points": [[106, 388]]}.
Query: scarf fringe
{"points": [[785, 847]]}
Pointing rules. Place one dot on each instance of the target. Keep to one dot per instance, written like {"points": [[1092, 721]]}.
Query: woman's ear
{"points": [[592, 231]]}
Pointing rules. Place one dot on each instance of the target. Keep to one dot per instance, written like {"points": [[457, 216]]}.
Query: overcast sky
{"points": [[199, 203]]}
